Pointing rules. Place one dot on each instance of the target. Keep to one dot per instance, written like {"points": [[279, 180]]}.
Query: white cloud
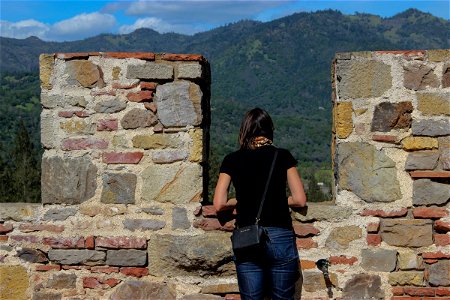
{"points": [[83, 25], [23, 29], [159, 26]]}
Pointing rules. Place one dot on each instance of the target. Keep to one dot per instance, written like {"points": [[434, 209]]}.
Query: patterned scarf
{"points": [[259, 141]]}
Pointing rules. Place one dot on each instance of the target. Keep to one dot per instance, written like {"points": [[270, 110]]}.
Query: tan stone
{"points": [[434, 104], [115, 73], [13, 282], [84, 72], [360, 111], [19, 211], [223, 288], [46, 62], [438, 55], [406, 278], [343, 118], [340, 237], [77, 126], [156, 141], [407, 259], [196, 154], [407, 232], [314, 281], [120, 141], [411, 143]]}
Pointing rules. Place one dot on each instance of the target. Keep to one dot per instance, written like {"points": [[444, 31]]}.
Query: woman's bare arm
{"points": [[221, 201], [298, 198]]}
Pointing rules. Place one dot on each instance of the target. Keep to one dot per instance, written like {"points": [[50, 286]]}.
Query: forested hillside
{"points": [[282, 66]]}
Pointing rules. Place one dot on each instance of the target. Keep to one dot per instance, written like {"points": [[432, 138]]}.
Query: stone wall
{"points": [[126, 143]]}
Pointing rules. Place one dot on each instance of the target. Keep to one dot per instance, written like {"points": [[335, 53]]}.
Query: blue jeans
{"points": [[271, 269]]}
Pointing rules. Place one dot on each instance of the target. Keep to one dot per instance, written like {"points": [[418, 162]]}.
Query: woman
{"points": [[275, 265]]}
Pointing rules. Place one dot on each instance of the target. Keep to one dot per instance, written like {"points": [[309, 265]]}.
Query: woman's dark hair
{"points": [[256, 122]]}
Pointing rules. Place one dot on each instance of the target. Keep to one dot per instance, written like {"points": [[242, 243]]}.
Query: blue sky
{"points": [[67, 20]]}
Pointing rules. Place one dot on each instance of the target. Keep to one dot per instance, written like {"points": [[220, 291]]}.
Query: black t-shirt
{"points": [[249, 170]]}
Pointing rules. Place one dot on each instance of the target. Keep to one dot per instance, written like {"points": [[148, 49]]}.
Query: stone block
{"points": [[157, 141], [422, 160], [179, 104], [201, 255], [407, 259], [196, 152], [430, 212], [119, 188], [19, 211], [143, 224], [83, 144], [419, 76], [363, 79], [49, 130], [440, 273], [46, 296], [140, 96], [314, 281], [65, 101], [415, 278], [77, 127], [446, 77], [68, 180], [122, 157], [84, 73], [59, 214], [32, 255], [223, 288], [129, 257], [340, 237], [110, 106], [138, 118], [178, 183], [413, 143], [168, 156], [323, 212], [180, 219], [150, 70], [107, 125], [304, 230], [75, 257], [379, 260], [134, 289], [62, 281], [438, 55], [407, 233], [427, 192], [363, 286], [46, 63], [388, 116], [367, 172], [153, 210], [431, 127], [343, 112], [190, 71], [13, 282], [433, 104]]}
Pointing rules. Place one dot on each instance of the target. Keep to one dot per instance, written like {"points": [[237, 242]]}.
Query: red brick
{"points": [[107, 125], [405, 298], [135, 272], [118, 85], [419, 291], [182, 57], [232, 297], [70, 267], [438, 254], [343, 260], [209, 211], [112, 282], [442, 291], [150, 106], [148, 86], [430, 261], [121, 242], [306, 243], [429, 212], [25, 238], [430, 174], [373, 227], [82, 114], [45, 268], [397, 291], [436, 298], [41, 227], [122, 157], [82, 55], [442, 226], [6, 227], [208, 224], [304, 230], [441, 239], [70, 114], [138, 55], [307, 264], [373, 239], [66, 114], [91, 282], [409, 53], [140, 96], [64, 242], [385, 138], [4, 238], [83, 144], [104, 269], [103, 93], [384, 214], [90, 242]]}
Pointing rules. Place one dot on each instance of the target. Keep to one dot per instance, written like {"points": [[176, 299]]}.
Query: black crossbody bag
{"points": [[250, 236]]}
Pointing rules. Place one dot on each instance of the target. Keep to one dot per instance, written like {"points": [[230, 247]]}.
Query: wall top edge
{"points": [[431, 55], [151, 56]]}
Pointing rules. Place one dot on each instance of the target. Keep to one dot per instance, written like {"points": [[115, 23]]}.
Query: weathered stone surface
{"points": [[74, 257], [190, 71], [19, 211], [367, 172], [110, 106], [343, 119], [150, 70], [407, 233], [167, 157], [46, 62], [446, 77], [202, 255], [70, 144], [388, 116], [179, 104], [84, 72], [62, 281], [154, 210], [430, 127], [223, 288], [32, 255], [438, 54], [406, 278], [157, 141], [178, 183], [379, 260], [138, 118], [13, 282], [363, 286], [340, 237], [412, 143], [419, 76], [363, 79], [422, 160], [324, 212], [78, 127], [196, 153], [180, 219], [59, 214], [118, 188], [46, 296], [134, 289], [407, 259], [143, 224], [65, 101], [434, 104], [314, 281], [68, 180], [48, 129], [427, 192], [115, 73], [440, 273], [129, 257]]}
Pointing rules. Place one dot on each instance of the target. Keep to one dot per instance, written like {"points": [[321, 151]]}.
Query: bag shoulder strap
{"points": [[266, 187]]}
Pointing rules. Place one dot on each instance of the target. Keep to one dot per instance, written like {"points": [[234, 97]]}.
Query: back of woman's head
{"points": [[256, 122]]}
